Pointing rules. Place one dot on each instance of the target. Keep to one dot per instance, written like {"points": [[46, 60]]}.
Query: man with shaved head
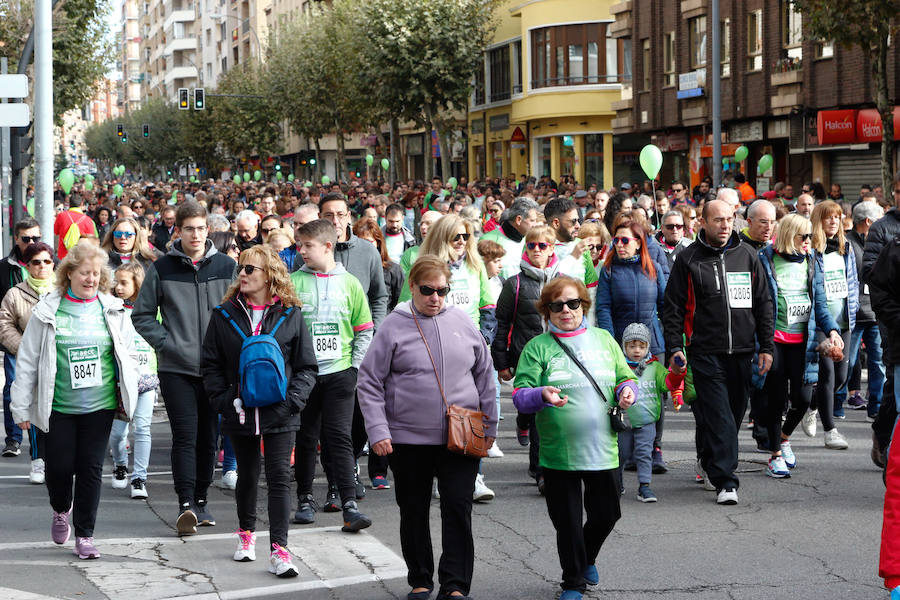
{"points": [[717, 309]]}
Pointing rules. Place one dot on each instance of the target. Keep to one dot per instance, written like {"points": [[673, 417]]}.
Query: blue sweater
{"points": [[625, 295]]}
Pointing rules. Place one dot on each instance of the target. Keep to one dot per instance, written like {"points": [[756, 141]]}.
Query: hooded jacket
{"points": [[626, 295], [363, 261], [32, 390], [221, 367], [884, 287], [397, 386], [864, 315], [184, 295]]}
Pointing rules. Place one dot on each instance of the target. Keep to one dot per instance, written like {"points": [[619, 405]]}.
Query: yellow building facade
{"points": [[542, 102]]}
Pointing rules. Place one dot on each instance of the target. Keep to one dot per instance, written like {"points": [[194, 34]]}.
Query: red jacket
{"points": [[889, 567]]}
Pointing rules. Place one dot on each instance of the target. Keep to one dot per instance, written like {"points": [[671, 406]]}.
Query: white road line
{"points": [[299, 586]]}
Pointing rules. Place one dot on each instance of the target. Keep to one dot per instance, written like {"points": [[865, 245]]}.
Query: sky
{"points": [[115, 23]]}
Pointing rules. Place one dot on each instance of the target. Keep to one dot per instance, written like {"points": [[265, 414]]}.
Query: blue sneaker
{"points": [[576, 595], [895, 593], [776, 468], [788, 454], [645, 494], [591, 576]]}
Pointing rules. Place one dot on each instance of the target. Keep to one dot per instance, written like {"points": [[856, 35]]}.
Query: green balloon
{"points": [[453, 183], [88, 178], [369, 159], [117, 190], [66, 178], [291, 177], [237, 178], [246, 176], [193, 179], [741, 153], [385, 164], [308, 184], [88, 185], [765, 163], [651, 160], [257, 175], [278, 175], [326, 180]]}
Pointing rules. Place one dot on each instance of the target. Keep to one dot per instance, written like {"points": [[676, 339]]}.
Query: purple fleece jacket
{"points": [[397, 389]]}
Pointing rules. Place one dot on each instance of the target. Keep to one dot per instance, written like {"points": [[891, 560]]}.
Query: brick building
{"points": [[810, 103]]}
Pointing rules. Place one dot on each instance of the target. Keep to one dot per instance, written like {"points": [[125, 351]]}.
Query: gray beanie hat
{"points": [[636, 331]]}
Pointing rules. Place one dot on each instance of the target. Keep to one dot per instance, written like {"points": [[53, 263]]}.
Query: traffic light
{"points": [[199, 97], [183, 99], [146, 130], [120, 129], [19, 143], [124, 139], [312, 160]]}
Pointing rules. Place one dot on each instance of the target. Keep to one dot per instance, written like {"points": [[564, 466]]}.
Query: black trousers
{"points": [[193, 425], [784, 383], [378, 465], [578, 543], [329, 413], [722, 382], [832, 377], [278, 481], [75, 448], [526, 422], [759, 409], [414, 469]]}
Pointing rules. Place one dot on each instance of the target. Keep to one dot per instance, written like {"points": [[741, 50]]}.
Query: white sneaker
{"points": [[229, 480], [37, 471], [120, 477], [777, 468], [434, 490], [808, 422], [494, 451], [835, 441], [246, 548], [787, 453], [280, 562], [482, 492], [704, 478], [727, 497]]}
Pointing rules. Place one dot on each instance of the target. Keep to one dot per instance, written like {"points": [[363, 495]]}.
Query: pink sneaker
{"points": [[84, 548], [59, 528]]}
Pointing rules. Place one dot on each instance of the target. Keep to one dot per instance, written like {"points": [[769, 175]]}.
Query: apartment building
{"points": [[809, 103], [129, 88], [69, 136]]}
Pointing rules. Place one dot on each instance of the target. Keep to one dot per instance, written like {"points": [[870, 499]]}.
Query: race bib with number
{"points": [[460, 295], [836, 285], [84, 367], [740, 291], [326, 341], [798, 308]]}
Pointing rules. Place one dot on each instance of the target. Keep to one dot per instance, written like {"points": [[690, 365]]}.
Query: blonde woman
{"points": [[75, 371], [125, 241]]}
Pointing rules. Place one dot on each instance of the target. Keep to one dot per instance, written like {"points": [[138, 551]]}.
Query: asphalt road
{"points": [[813, 536]]}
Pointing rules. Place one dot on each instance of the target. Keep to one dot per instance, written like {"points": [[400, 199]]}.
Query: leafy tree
{"points": [[869, 25], [245, 126]]}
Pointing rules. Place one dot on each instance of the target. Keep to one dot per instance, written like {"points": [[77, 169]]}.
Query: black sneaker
{"points": [[360, 489], [659, 465], [187, 520], [204, 517], [11, 450], [522, 437], [332, 501], [306, 510], [353, 519]]}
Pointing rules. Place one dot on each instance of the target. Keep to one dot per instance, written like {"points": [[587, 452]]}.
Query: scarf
{"points": [[554, 329], [40, 286]]}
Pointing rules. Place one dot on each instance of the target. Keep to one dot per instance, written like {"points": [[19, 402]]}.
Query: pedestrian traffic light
{"points": [[312, 160], [146, 130], [183, 99], [199, 97], [120, 129], [19, 143], [124, 139]]}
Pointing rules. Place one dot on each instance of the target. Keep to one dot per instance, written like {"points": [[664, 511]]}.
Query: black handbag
{"points": [[618, 417]]}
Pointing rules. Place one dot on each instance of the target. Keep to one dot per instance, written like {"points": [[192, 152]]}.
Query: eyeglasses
{"points": [[248, 269], [426, 290], [137, 207], [673, 226], [538, 245], [337, 215], [624, 240], [31, 239], [557, 306], [462, 236], [36, 262], [804, 236], [193, 230], [123, 234], [270, 230]]}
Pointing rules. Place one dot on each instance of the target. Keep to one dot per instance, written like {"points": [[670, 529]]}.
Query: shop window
{"points": [[669, 59], [574, 55], [791, 31], [543, 156], [697, 41], [754, 40], [726, 47]]}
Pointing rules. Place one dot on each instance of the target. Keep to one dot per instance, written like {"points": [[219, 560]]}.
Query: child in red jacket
{"points": [[889, 567]]}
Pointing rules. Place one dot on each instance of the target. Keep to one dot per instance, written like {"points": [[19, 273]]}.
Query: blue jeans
{"points": [[871, 335], [13, 433], [229, 462], [637, 445], [118, 436]]}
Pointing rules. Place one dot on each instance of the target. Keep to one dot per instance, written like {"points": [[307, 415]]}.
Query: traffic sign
{"points": [[14, 86], [14, 114]]}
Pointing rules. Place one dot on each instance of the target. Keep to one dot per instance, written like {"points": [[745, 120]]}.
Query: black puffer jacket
{"points": [[881, 234], [865, 315], [884, 287], [518, 319], [220, 366]]}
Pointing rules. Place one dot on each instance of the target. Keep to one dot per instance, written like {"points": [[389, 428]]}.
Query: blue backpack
{"points": [[262, 377]]}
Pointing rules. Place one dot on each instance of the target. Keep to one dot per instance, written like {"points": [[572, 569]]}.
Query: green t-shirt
{"points": [[793, 304], [651, 390], [334, 307], [469, 291], [509, 264], [85, 362], [407, 260], [836, 289], [577, 436], [581, 269]]}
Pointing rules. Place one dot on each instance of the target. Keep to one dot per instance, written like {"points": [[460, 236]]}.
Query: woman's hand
{"points": [[25, 425], [836, 339], [551, 396], [626, 397], [383, 448], [505, 374], [578, 249]]}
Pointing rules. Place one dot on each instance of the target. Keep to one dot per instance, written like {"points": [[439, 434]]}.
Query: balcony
{"points": [[178, 16], [693, 8], [787, 78], [787, 86], [188, 72], [186, 43]]}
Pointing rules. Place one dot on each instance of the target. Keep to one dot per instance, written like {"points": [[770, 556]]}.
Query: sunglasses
{"points": [[804, 236], [123, 234], [538, 245], [673, 226], [594, 247], [248, 269], [462, 236], [31, 239], [270, 230], [38, 262], [557, 306], [234, 248], [426, 290], [624, 240], [679, 190]]}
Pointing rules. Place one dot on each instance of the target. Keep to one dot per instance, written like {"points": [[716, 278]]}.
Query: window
{"points": [[669, 59], [541, 59], [178, 30], [498, 61], [697, 41], [824, 49], [754, 40], [576, 64], [479, 84], [791, 31], [517, 67], [645, 64], [613, 64], [626, 60], [573, 55], [726, 48], [593, 62]]}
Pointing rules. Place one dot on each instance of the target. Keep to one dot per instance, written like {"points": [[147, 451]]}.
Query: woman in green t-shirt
{"points": [[74, 372]]}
